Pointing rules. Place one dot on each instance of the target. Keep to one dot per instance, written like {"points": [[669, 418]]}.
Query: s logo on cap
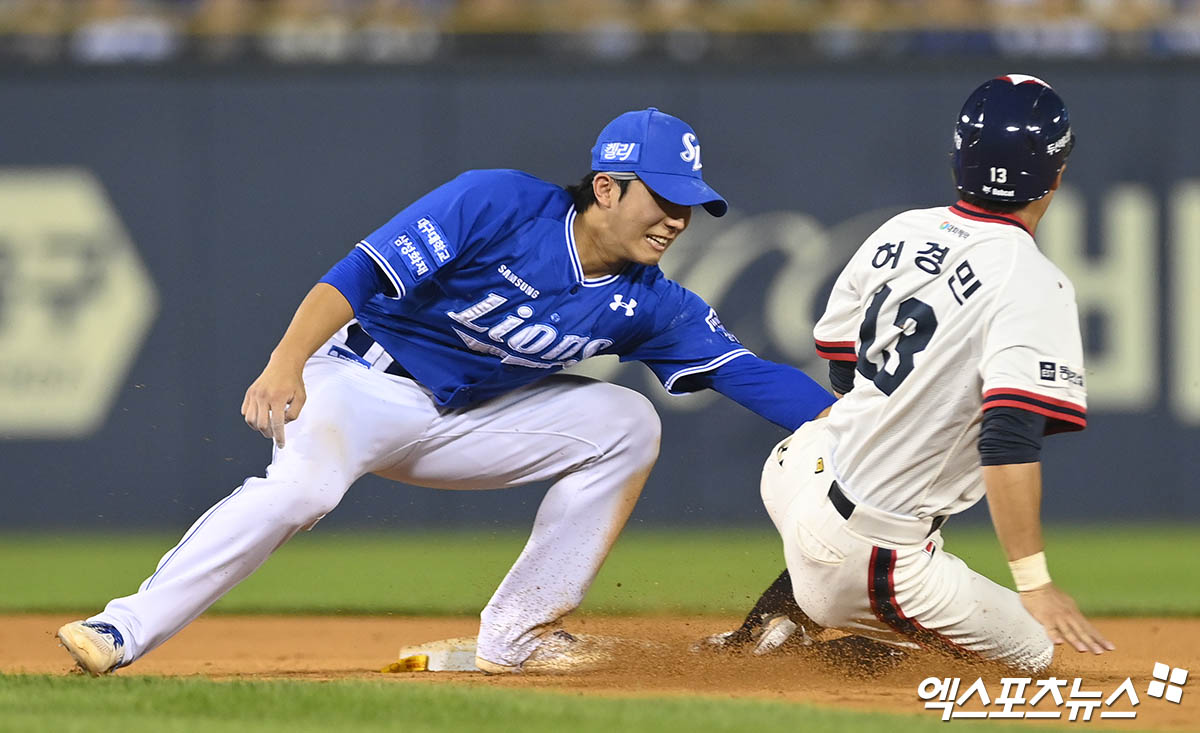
{"points": [[691, 151]]}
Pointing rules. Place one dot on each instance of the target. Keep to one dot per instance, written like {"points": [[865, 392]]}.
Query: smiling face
{"points": [[644, 224], [634, 225]]}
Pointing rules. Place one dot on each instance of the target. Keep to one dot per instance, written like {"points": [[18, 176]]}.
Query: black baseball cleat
{"points": [[771, 633], [776, 622]]}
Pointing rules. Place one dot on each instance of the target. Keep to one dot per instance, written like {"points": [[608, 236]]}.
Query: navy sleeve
{"points": [[1010, 435], [782, 394], [357, 278], [841, 376]]}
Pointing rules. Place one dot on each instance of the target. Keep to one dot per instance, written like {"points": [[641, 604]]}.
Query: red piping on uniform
{"points": [[1034, 396], [836, 357], [1045, 412], [975, 213], [893, 623], [836, 350]]}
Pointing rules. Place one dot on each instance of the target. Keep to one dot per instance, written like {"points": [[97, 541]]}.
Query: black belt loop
{"points": [[937, 523], [360, 342], [844, 506]]}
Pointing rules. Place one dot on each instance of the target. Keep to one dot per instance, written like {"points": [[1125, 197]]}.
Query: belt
{"points": [[846, 508], [360, 342]]}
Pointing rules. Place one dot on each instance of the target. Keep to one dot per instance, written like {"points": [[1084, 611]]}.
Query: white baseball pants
{"points": [[883, 576], [597, 441]]}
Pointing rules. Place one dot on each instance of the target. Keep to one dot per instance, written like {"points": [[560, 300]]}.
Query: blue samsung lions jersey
{"points": [[486, 293]]}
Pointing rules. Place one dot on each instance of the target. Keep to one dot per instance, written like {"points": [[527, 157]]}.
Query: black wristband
{"points": [[841, 376]]}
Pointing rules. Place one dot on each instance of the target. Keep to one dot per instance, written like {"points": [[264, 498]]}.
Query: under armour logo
{"points": [[691, 151], [619, 302]]}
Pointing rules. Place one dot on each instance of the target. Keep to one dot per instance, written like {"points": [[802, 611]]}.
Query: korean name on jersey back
{"points": [[930, 257]]}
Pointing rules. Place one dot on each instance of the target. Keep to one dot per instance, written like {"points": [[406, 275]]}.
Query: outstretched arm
{"points": [[277, 396], [1014, 494], [782, 394]]}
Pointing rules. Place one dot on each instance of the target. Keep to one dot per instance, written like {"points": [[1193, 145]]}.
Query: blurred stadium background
{"points": [[175, 175], [423, 31]]}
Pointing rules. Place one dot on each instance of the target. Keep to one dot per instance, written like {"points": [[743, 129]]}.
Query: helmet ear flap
{"points": [[972, 138]]}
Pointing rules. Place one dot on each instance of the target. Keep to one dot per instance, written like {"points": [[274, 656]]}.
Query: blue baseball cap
{"points": [[664, 153]]}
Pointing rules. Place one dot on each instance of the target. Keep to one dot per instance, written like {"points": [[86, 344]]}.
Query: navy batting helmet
{"points": [[1011, 140]]}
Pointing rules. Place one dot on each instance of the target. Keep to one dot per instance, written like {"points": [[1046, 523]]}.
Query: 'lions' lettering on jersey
{"points": [[487, 293], [530, 339], [945, 313]]}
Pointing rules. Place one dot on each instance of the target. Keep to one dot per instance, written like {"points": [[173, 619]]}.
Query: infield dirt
{"points": [[337, 647]]}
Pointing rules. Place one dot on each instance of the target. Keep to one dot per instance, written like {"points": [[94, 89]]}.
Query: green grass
{"points": [[1123, 570], [1110, 570], [133, 705]]}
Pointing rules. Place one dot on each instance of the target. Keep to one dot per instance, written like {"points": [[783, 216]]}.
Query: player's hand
{"points": [[1064, 622], [275, 399]]}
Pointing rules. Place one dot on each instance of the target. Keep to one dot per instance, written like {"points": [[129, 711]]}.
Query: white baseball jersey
{"points": [[946, 312]]}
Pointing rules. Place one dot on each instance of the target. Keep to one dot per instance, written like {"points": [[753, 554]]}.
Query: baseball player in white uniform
{"points": [[956, 345]]}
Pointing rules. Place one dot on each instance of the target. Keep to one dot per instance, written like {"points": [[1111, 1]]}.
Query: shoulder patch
{"points": [[715, 325], [436, 241], [412, 256], [424, 247]]}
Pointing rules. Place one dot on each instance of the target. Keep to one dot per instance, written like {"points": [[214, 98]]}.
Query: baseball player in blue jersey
{"points": [[429, 355]]}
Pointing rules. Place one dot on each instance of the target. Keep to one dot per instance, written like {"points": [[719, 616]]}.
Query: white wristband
{"points": [[1030, 572]]}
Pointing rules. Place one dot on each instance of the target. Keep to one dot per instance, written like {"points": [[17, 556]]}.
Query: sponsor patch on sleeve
{"points": [[1054, 371], [412, 256], [440, 248], [1070, 375]]}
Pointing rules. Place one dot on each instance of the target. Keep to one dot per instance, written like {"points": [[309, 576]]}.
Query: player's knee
{"points": [[309, 505], [1031, 655], [823, 613], [635, 423], [1038, 657], [299, 498]]}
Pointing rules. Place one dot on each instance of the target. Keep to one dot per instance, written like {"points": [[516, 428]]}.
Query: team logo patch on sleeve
{"points": [[1047, 370], [714, 323]]}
